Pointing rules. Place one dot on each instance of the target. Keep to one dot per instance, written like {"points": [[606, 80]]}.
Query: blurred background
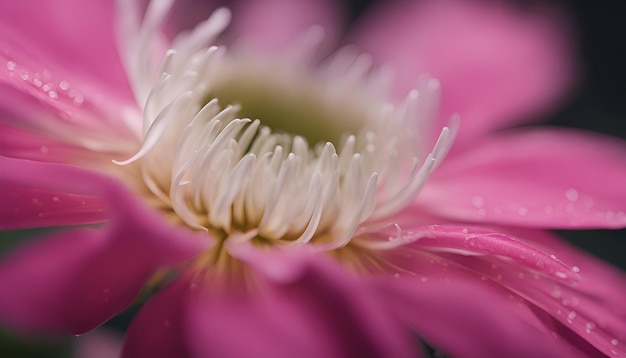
{"points": [[598, 104]]}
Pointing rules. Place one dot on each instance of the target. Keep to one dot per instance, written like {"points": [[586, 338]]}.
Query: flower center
{"points": [[283, 151]]}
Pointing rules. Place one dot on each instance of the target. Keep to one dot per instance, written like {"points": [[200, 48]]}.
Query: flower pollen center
{"points": [[283, 151]]}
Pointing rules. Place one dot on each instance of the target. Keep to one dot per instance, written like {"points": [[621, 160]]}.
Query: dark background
{"points": [[599, 102]]}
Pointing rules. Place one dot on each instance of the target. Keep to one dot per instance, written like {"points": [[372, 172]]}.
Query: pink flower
{"points": [[261, 237]]}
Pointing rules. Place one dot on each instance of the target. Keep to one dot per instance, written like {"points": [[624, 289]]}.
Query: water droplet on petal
{"points": [[478, 201], [571, 316], [64, 85], [522, 211], [560, 274], [571, 194], [614, 342], [11, 66], [53, 94], [575, 269]]}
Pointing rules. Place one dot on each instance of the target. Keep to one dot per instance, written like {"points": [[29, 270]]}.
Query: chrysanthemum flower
{"points": [[284, 203]]}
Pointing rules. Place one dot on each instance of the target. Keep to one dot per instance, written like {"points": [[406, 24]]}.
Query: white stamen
{"points": [[220, 171]]}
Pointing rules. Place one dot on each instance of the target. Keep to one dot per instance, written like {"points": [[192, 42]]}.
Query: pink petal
{"points": [[320, 312], [464, 319], [270, 25], [100, 343], [63, 54], [157, 330], [39, 195], [533, 178], [498, 65], [79, 278], [563, 300], [24, 144]]}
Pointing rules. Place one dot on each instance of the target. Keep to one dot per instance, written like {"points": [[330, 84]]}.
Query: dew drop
{"points": [[571, 194], [424, 279], [560, 274], [522, 211], [396, 275], [575, 269], [553, 257], [571, 316], [478, 201], [53, 94], [25, 76], [465, 231], [589, 327], [614, 352], [47, 87], [11, 66], [56, 199], [614, 342], [37, 82], [64, 85]]}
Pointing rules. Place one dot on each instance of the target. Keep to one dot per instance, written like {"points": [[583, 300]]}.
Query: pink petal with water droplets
{"points": [[463, 318], [556, 297], [63, 54], [543, 178], [270, 25], [23, 144], [482, 242], [39, 195], [158, 330], [79, 278], [498, 65], [319, 312], [599, 293]]}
